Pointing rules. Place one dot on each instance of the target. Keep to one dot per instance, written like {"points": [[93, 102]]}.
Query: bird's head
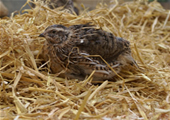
{"points": [[55, 34]]}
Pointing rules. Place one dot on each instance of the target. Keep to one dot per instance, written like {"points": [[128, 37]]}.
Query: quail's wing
{"points": [[83, 65], [98, 42]]}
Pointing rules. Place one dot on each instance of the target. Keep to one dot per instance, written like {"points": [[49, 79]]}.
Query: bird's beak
{"points": [[41, 35]]}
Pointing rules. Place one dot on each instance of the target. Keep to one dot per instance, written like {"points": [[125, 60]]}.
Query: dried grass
{"points": [[29, 91]]}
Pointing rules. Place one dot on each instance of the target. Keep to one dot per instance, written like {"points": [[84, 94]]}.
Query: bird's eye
{"points": [[53, 31]]}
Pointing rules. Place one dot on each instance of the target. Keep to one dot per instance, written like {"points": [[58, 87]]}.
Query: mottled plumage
{"points": [[74, 48], [66, 4]]}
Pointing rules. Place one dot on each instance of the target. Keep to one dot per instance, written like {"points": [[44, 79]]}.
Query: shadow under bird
{"points": [[76, 49]]}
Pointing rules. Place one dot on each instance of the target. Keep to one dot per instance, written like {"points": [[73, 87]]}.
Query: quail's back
{"points": [[81, 49]]}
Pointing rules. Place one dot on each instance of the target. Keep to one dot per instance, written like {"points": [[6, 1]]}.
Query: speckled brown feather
{"points": [[66, 4], [73, 49]]}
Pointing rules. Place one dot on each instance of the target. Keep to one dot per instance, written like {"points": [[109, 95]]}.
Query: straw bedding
{"points": [[30, 91]]}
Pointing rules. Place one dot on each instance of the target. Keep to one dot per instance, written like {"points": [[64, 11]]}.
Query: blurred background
{"points": [[15, 5]]}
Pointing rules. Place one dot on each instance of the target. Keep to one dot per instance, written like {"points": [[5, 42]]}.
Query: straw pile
{"points": [[29, 91]]}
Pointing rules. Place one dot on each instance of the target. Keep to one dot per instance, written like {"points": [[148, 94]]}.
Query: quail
{"points": [[67, 4], [82, 49]]}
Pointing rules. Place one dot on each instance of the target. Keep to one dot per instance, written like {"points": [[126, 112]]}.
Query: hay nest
{"points": [[29, 91]]}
